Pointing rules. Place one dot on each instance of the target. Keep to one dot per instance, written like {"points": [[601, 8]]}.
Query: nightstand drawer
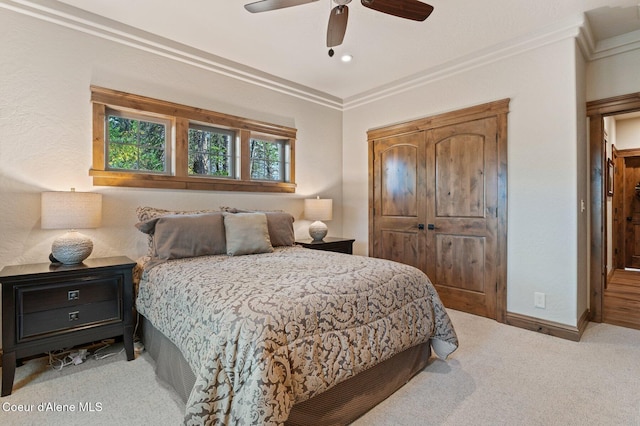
{"points": [[66, 294], [55, 320]]}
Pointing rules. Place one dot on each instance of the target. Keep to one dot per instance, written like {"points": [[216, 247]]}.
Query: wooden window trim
{"points": [[182, 115]]}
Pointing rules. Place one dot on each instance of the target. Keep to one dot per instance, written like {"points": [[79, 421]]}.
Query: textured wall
{"points": [[45, 134]]}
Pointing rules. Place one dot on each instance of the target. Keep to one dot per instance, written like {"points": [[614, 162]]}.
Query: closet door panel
{"points": [[398, 199], [461, 243]]}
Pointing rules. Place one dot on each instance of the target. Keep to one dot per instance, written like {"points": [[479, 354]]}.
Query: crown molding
{"points": [[616, 45], [569, 28], [593, 49], [576, 27], [585, 39], [95, 25]]}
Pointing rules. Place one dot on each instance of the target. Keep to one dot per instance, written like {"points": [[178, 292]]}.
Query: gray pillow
{"points": [[247, 233], [181, 235], [145, 214], [279, 223]]}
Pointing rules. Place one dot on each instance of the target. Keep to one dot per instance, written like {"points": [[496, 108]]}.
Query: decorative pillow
{"points": [[247, 233], [178, 236], [279, 223], [146, 213]]}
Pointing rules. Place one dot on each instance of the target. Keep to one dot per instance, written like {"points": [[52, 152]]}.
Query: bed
{"points": [[251, 329]]}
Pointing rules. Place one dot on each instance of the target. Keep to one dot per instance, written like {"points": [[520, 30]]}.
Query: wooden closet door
{"points": [[438, 201], [398, 199], [461, 214]]}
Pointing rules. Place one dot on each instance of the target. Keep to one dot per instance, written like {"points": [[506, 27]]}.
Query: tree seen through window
{"points": [[136, 144], [267, 159], [211, 151]]}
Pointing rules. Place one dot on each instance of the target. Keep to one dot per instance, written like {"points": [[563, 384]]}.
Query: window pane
{"points": [[266, 159], [152, 159], [123, 157], [152, 134], [136, 144], [211, 151]]}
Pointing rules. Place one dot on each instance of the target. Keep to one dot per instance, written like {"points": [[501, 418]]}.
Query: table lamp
{"points": [[317, 209], [71, 210]]}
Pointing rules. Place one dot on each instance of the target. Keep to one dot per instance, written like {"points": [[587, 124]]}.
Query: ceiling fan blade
{"points": [[409, 9], [266, 5], [337, 25]]}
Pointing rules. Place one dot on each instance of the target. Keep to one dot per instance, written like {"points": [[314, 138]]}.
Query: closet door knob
{"points": [[431, 227], [421, 226]]}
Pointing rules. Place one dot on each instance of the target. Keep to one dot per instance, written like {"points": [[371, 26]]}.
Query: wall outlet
{"points": [[539, 300]]}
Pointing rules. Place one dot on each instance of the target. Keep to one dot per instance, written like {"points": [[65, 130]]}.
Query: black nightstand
{"points": [[47, 306], [339, 245]]}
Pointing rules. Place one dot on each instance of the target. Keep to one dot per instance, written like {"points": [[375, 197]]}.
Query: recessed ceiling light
{"points": [[346, 58]]}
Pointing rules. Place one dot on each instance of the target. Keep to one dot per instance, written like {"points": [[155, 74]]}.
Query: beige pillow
{"points": [[179, 236], [247, 233]]}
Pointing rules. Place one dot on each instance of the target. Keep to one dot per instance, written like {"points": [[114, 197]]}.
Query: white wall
{"points": [[613, 76], [45, 134], [628, 133], [542, 170]]}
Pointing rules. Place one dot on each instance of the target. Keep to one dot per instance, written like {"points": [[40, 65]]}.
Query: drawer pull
{"points": [[73, 295], [74, 316]]}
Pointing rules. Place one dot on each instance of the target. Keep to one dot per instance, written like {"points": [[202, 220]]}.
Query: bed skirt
{"points": [[340, 405]]}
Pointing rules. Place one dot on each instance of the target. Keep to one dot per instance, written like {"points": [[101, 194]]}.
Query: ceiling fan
{"points": [[408, 9]]}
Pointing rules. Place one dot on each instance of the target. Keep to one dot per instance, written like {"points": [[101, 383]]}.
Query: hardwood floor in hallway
{"points": [[621, 302]]}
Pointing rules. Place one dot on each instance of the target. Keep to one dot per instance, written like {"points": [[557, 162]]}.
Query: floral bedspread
{"points": [[263, 332]]}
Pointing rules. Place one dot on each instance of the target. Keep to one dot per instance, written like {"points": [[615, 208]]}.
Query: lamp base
{"points": [[71, 248], [318, 230]]}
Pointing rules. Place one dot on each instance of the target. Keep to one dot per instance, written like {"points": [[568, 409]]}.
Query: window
{"points": [[149, 143], [136, 143], [268, 159], [211, 151]]}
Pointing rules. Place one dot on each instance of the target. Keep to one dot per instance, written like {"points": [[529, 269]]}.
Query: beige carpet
{"points": [[111, 391], [500, 375]]}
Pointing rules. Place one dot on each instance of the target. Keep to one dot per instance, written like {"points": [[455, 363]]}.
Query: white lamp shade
{"points": [[318, 209], [71, 210]]}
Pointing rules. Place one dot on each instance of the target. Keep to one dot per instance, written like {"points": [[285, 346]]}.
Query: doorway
{"points": [[621, 296], [612, 295]]}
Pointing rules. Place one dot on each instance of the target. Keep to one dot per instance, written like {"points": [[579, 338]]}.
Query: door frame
{"points": [[596, 111], [498, 109]]}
